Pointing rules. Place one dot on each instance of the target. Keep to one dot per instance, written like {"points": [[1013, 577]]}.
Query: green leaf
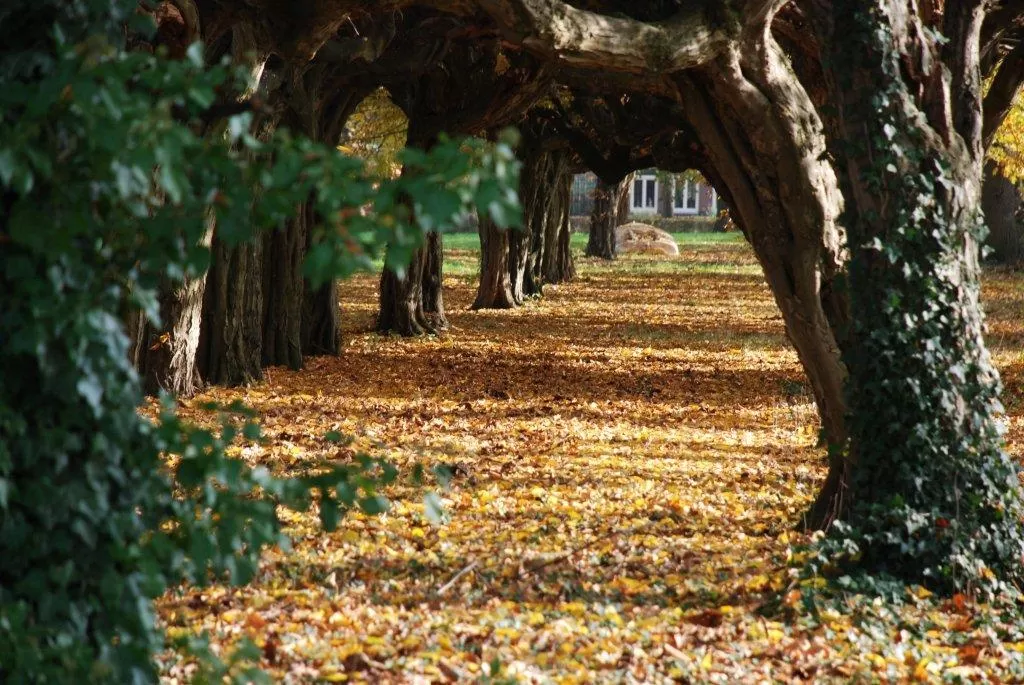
{"points": [[433, 509]]}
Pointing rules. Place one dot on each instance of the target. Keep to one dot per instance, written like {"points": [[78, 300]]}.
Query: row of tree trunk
{"points": [[515, 264], [253, 308]]}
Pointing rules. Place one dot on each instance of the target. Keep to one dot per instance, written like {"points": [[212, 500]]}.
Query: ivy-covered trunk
{"points": [[930, 494], [603, 220], [495, 289]]}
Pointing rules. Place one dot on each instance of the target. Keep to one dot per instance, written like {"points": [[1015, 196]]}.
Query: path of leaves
{"points": [[630, 451]]}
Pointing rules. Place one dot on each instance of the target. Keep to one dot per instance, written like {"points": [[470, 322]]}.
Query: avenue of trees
{"points": [[176, 216]]}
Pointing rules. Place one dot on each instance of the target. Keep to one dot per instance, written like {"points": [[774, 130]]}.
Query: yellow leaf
{"points": [[921, 671]]}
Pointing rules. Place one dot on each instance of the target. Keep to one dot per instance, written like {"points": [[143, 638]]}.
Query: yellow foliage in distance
{"points": [[376, 133]]}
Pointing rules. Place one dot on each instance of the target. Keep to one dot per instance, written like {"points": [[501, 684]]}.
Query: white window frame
{"points": [[648, 202], [691, 190]]}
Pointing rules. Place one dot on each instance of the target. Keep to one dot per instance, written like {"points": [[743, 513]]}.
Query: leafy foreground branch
{"points": [[110, 181]]}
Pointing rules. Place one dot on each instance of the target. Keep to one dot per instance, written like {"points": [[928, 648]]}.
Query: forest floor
{"points": [[632, 452]]}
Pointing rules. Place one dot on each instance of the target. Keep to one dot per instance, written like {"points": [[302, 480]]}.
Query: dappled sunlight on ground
{"points": [[632, 451]]}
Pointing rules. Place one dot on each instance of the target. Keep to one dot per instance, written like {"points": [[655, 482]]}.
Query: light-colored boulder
{"points": [[637, 238]]}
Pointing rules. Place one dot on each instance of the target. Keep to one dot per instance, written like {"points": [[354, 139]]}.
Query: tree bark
{"points": [[522, 243], [283, 288], [321, 323], [433, 282], [622, 208], [413, 304], [1002, 203], [495, 289], [558, 265], [603, 221], [401, 299], [231, 337], [165, 357]]}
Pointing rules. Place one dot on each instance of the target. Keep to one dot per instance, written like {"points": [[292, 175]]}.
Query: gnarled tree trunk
{"points": [[521, 243], [557, 263], [770, 156]]}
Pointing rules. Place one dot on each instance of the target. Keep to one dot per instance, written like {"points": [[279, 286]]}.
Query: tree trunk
{"points": [[433, 282], [558, 266], [321, 320], [495, 289], [321, 324], [401, 299], [231, 338], [522, 243], [622, 208], [603, 221], [770, 159], [166, 357], [930, 494], [283, 286], [1001, 200]]}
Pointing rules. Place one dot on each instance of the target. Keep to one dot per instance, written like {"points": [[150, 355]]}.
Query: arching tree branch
{"points": [[694, 36]]}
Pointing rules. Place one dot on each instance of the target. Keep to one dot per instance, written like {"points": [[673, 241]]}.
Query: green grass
{"points": [[462, 258], [471, 241]]}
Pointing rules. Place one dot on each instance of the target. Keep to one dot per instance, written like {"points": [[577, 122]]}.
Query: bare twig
{"points": [[447, 586]]}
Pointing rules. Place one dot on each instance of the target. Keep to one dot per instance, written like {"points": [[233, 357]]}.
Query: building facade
{"points": [[653, 194]]}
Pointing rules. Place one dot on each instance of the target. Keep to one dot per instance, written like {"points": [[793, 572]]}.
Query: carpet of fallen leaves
{"points": [[630, 455]]}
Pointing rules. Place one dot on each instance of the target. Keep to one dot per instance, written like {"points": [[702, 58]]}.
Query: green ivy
{"points": [[107, 185]]}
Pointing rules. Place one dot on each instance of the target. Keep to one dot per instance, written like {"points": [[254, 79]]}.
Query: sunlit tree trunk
{"points": [[532, 194], [770, 156], [166, 357]]}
